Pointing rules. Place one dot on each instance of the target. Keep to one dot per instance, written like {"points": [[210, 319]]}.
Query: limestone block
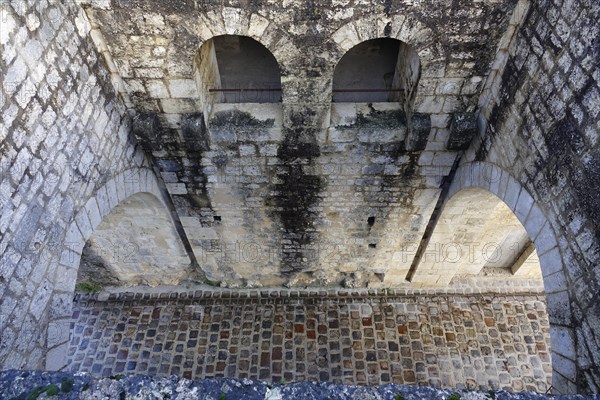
{"points": [[564, 366], [58, 332], [523, 206], [545, 240], [40, 299], [176, 188], [346, 37], [74, 239], [178, 106], [65, 276], [258, 25], [157, 89], [83, 223], [183, 88], [56, 359]]}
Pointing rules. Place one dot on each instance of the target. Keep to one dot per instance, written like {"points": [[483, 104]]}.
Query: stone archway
{"points": [[135, 244], [491, 178], [130, 184], [234, 22], [411, 32], [476, 234], [377, 65], [228, 67]]}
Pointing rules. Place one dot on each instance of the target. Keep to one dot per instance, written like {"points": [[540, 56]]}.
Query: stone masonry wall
{"points": [[136, 244], [64, 135], [68, 152], [287, 193], [541, 120]]}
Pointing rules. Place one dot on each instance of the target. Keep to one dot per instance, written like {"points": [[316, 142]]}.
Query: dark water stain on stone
{"points": [[394, 119], [513, 80], [238, 119], [195, 134], [293, 200], [387, 7], [565, 142], [193, 142]]}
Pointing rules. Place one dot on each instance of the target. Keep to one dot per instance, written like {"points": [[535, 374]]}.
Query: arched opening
{"points": [[128, 211], [477, 235], [236, 69], [377, 70], [479, 244], [135, 244]]}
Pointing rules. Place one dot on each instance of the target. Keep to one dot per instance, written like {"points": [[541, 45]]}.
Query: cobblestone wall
{"points": [[67, 157], [541, 117], [355, 337]]}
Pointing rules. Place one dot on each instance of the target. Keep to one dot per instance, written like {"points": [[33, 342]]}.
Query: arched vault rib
{"points": [[130, 184], [488, 181]]}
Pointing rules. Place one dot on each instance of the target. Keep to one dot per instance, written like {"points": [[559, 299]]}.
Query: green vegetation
{"points": [[66, 385], [399, 397], [50, 390], [88, 287], [454, 396], [35, 393]]}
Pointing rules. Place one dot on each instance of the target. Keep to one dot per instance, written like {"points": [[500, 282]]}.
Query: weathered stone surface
{"points": [[340, 336], [285, 207], [135, 244], [542, 131], [463, 128], [22, 383], [296, 191], [68, 134]]}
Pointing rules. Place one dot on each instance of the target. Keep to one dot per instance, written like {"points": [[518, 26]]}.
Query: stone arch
{"points": [[476, 232], [410, 31], [377, 64], [131, 182], [236, 62], [135, 244], [491, 178], [238, 22]]}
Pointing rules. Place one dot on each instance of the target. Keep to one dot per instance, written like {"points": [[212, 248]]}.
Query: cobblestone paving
{"points": [[480, 341]]}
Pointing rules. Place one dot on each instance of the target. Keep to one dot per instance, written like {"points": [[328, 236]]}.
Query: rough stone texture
{"points": [[474, 342], [477, 232], [541, 119], [67, 157], [151, 255], [18, 383], [69, 154], [463, 129], [262, 203]]}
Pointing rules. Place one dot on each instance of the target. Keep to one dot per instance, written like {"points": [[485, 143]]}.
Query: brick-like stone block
{"points": [[463, 128]]}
